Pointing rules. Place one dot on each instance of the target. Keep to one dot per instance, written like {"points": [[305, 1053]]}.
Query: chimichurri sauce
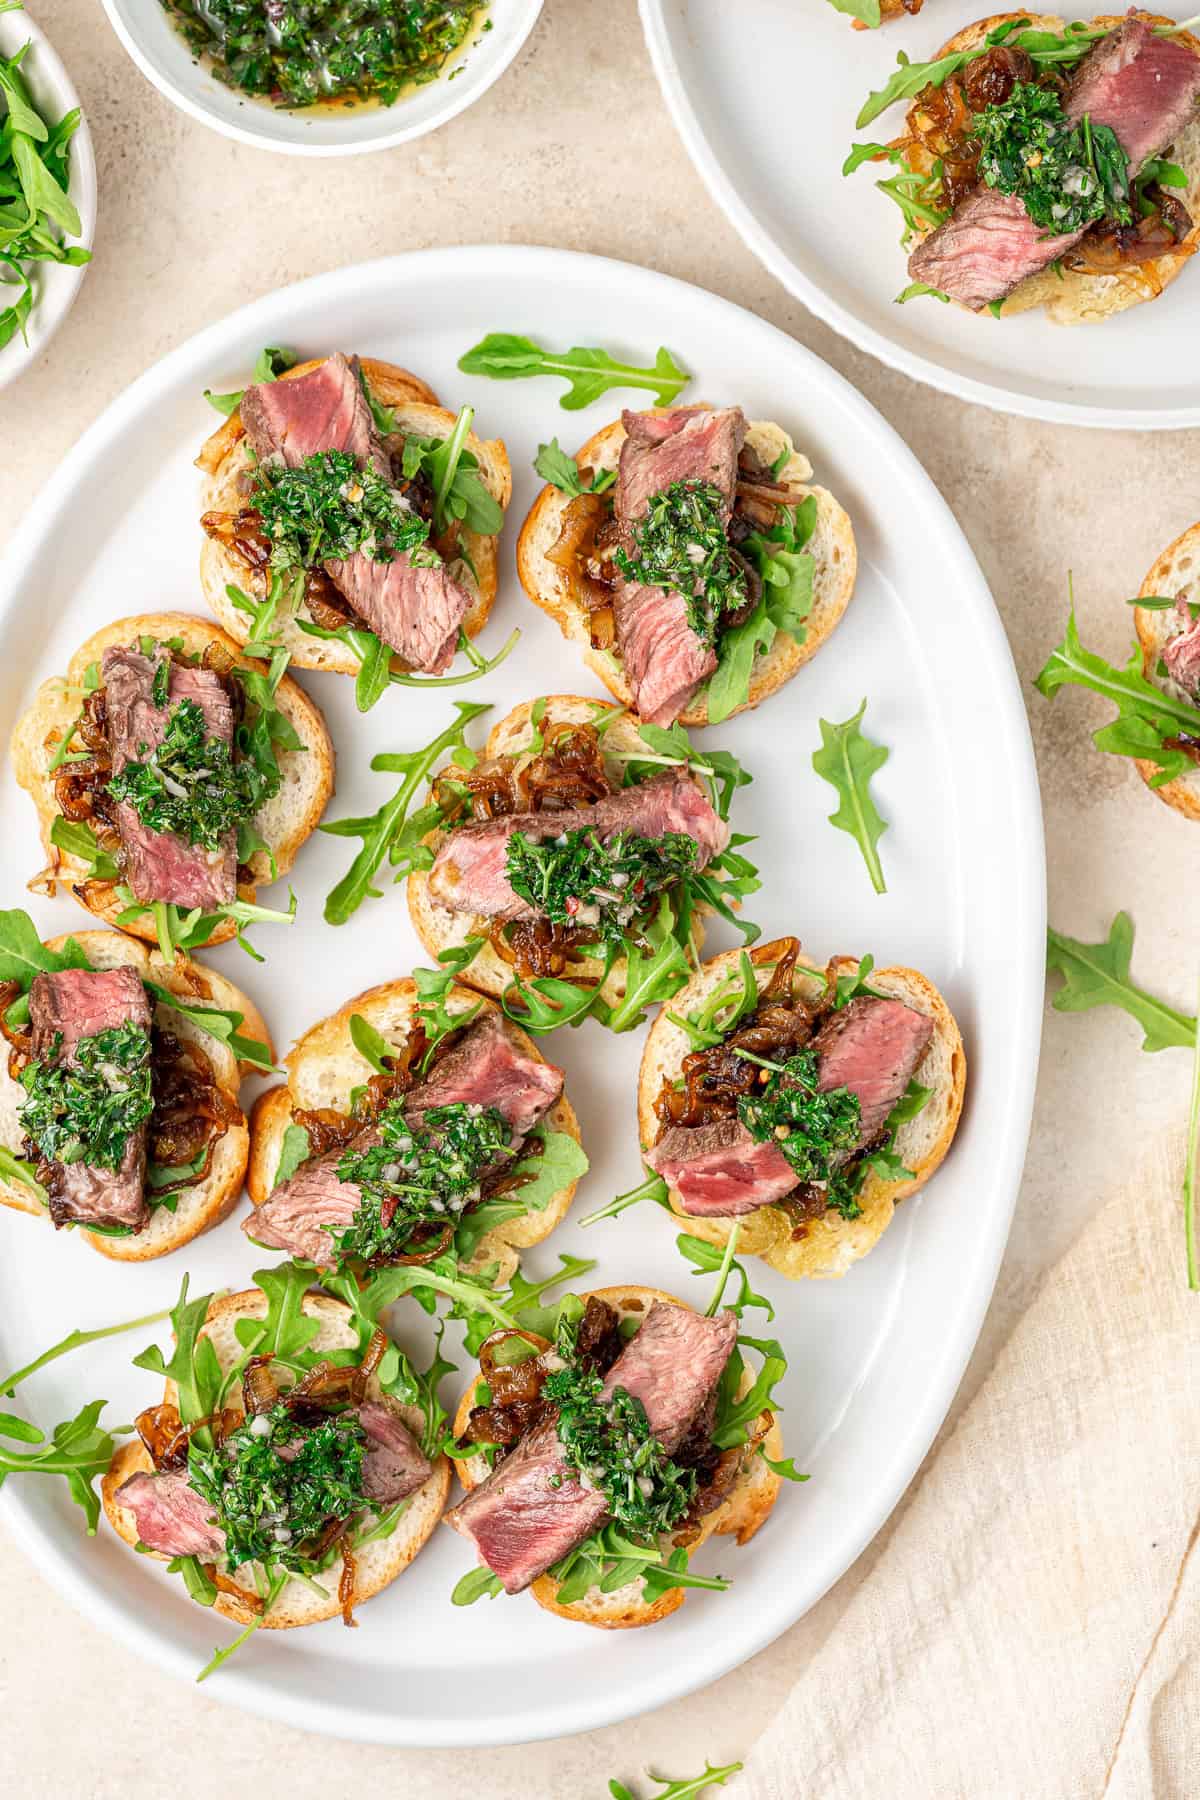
{"points": [[312, 52]]}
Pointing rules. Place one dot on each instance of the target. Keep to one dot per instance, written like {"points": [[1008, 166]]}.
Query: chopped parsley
{"points": [[418, 1175], [271, 1505], [309, 52], [1066, 176], [84, 1111], [681, 543], [812, 1130], [328, 508], [609, 1445], [191, 783], [577, 879]]}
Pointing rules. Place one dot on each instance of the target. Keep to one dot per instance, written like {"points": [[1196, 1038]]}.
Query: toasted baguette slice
{"points": [[832, 547], [324, 1066], [440, 929], [1076, 297], [285, 822], [741, 1514], [1175, 572], [209, 1200], [829, 1244], [226, 462], [376, 1564]]}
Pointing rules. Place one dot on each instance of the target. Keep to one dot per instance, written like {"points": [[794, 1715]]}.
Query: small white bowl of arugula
{"points": [[318, 77], [47, 193]]}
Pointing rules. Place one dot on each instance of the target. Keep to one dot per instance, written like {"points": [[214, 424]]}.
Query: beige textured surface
{"points": [[190, 227], [1018, 1637]]}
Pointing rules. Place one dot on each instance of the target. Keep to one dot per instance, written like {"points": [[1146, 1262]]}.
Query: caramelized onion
{"points": [[260, 1390], [582, 554], [192, 1112], [346, 1581]]}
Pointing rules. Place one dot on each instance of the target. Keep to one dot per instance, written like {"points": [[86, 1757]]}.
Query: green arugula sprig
{"points": [[562, 471], [37, 213], [1098, 975], [867, 12], [847, 759], [504, 356], [79, 1449], [1047, 49], [459, 492], [1147, 718], [688, 1787], [269, 365], [376, 673], [389, 833]]}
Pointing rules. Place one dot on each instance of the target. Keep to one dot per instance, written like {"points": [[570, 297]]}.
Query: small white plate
{"points": [[876, 1357], [160, 52], [55, 285], [765, 94]]}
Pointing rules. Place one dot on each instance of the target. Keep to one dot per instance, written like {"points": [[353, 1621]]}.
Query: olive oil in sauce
{"points": [[328, 55]]}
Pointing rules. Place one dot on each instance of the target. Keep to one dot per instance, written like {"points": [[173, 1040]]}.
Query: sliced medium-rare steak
{"points": [[719, 1169], [664, 659], [1143, 87], [172, 1517], [394, 1465], [324, 409], [1181, 653], [415, 610], [485, 1069], [872, 1047], [469, 871], [488, 1069], [520, 1523], [162, 865], [65, 1008]]}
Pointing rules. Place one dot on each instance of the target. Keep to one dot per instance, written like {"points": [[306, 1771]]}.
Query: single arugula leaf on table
{"points": [[847, 759], [1098, 975], [1147, 720], [505, 356], [686, 1787]]}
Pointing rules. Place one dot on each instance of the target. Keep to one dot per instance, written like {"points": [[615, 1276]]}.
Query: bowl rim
{"points": [[458, 95], [50, 76]]}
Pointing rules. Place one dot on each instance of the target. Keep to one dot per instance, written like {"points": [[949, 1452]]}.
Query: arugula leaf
{"points": [[868, 13], [23, 954], [16, 1168], [729, 684], [562, 471], [396, 1374], [1046, 48], [294, 1149], [78, 839], [590, 372], [1098, 975], [371, 1044], [36, 211], [785, 1467], [459, 491], [193, 1365], [653, 1188], [474, 1585], [269, 366], [916, 289], [786, 569], [379, 831], [847, 759], [275, 1586], [1147, 718], [688, 1787], [718, 1259], [219, 1022], [736, 1414], [79, 1449], [561, 1162], [376, 675]]}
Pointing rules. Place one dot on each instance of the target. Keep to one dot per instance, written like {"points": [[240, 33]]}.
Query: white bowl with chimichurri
{"points": [[323, 77]]}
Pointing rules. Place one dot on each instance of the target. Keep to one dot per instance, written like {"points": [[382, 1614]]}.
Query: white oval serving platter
{"points": [[875, 1358]]}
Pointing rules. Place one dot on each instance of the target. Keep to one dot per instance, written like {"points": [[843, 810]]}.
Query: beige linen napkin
{"points": [[1033, 1628]]}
